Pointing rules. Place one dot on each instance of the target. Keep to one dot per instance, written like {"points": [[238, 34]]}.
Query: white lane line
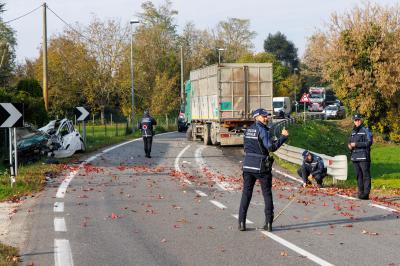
{"points": [[297, 249], [58, 207], [339, 195], [201, 193], [62, 253], [218, 204], [62, 189], [176, 163], [59, 225], [202, 164], [383, 207], [247, 220], [346, 197]]}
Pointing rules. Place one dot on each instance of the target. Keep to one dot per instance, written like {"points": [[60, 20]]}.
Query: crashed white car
{"points": [[64, 137]]}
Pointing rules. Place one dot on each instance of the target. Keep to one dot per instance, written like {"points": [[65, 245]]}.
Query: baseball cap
{"points": [[357, 116], [305, 153], [261, 112]]}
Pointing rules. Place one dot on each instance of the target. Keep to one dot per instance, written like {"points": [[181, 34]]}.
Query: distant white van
{"points": [[282, 106]]}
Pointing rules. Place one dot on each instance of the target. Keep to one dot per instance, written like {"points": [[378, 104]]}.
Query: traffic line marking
{"points": [[297, 249], [62, 253], [383, 207], [346, 197], [59, 224], [247, 220], [218, 204], [58, 207], [176, 163], [201, 193]]}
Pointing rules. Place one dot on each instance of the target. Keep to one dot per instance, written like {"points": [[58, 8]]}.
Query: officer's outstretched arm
{"points": [[268, 143]]}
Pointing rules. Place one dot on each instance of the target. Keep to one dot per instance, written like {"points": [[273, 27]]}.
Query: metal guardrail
{"points": [[336, 165]]}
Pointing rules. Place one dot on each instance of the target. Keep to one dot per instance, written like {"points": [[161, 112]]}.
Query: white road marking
{"points": [[297, 249], [201, 193], [346, 197], [288, 176], [59, 224], [58, 207], [218, 204], [62, 253], [247, 220], [62, 189], [202, 164], [383, 207], [176, 163]]}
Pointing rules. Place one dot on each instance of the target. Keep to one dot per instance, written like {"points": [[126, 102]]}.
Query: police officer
{"points": [[312, 169], [146, 125], [359, 144], [257, 164]]}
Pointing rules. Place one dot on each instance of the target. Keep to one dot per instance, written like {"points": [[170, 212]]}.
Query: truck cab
{"points": [[282, 107]]}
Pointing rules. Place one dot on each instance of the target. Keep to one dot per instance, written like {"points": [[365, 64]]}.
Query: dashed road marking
{"points": [[201, 193], [62, 253], [58, 207], [247, 220], [297, 249], [59, 224], [218, 204]]}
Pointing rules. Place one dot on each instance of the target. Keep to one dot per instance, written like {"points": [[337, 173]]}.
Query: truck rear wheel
{"points": [[189, 133], [214, 136], [206, 134]]}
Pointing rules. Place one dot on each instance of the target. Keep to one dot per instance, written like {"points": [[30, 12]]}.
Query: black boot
{"points": [[268, 227], [242, 226]]}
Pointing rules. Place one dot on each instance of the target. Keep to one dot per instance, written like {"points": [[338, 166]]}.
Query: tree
{"points": [[284, 50], [7, 50], [360, 59], [235, 36]]}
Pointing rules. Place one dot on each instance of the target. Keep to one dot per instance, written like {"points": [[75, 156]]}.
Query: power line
{"points": [[67, 24], [26, 14]]}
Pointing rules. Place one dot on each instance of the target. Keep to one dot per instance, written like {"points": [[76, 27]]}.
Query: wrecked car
{"points": [[64, 139], [32, 144]]}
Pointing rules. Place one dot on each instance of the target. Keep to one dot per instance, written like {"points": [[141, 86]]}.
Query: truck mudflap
{"points": [[231, 139]]}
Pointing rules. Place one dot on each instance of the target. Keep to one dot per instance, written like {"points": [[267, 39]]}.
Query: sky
{"points": [[297, 19]]}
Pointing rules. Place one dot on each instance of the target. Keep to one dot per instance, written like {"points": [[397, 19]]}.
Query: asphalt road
{"points": [[179, 208]]}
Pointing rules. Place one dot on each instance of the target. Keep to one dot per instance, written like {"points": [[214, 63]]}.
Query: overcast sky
{"points": [[297, 19]]}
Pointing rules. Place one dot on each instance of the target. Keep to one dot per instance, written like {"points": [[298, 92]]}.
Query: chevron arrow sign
{"points": [[82, 114], [11, 115]]}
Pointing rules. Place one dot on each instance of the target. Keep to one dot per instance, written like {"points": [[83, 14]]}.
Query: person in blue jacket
{"points": [[257, 164], [312, 169], [359, 144], [146, 125]]}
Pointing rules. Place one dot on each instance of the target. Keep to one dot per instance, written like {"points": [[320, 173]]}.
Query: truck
{"points": [[220, 100], [282, 107], [317, 99]]}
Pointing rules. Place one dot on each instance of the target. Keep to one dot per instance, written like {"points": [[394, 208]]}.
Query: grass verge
{"points": [[8, 255]]}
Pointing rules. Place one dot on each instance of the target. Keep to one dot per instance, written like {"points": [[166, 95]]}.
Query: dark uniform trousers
{"points": [[265, 180], [147, 144], [302, 171], [363, 177]]}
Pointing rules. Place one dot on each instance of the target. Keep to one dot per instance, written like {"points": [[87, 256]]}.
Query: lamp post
{"points": [[295, 102], [219, 54], [133, 90]]}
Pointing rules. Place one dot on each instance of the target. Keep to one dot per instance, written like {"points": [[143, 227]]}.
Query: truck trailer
{"points": [[221, 98]]}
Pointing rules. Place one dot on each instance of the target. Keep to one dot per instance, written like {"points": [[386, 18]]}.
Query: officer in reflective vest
{"points": [[146, 125], [359, 144], [257, 164]]}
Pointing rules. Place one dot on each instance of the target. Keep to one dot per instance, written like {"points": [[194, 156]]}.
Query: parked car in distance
{"points": [[282, 106], [334, 112]]}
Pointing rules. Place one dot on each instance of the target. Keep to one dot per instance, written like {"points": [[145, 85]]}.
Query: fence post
{"points": [[111, 119], [116, 129], [105, 129], [166, 120]]}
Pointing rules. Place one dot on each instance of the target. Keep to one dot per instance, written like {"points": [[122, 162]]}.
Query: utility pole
{"points": [[44, 47], [182, 75]]}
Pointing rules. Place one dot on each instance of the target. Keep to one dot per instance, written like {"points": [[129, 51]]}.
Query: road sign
{"points": [[305, 98], [11, 115], [82, 114]]}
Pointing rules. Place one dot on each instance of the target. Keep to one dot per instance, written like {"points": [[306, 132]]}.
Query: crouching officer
{"points": [[312, 169], [146, 125], [359, 144], [257, 164]]}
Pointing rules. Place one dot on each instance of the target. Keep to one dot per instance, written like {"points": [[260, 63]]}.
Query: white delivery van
{"points": [[282, 106]]}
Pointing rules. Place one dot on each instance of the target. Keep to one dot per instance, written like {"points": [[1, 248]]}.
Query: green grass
{"points": [[8, 255], [330, 138]]}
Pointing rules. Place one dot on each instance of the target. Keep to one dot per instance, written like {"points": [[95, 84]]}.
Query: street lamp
{"points": [[295, 101], [219, 54], [132, 21]]}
